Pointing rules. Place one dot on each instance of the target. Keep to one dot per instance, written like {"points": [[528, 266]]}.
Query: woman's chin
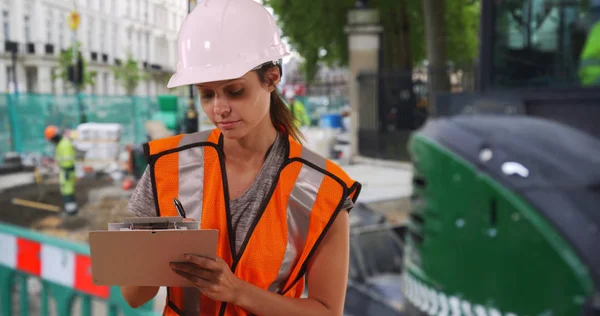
{"points": [[235, 133]]}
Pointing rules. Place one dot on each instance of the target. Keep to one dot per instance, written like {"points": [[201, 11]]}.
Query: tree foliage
{"points": [[462, 37], [65, 60], [316, 30], [129, 75]]}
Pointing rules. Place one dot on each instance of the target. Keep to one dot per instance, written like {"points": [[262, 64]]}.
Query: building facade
{"points": [[35, 31]]}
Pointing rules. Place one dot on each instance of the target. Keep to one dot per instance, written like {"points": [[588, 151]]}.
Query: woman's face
{"points": [[238, 106]]}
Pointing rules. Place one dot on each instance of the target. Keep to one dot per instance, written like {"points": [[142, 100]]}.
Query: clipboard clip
{"points": [[154, 223]]}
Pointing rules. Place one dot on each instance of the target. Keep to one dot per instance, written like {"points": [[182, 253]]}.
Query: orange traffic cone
{"points": [[127, 184]]}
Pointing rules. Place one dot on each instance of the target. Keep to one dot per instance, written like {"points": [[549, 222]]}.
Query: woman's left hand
{"points": [[212, 277]]}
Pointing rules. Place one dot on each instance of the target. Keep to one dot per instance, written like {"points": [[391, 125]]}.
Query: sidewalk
{"points": [[381, 183]]}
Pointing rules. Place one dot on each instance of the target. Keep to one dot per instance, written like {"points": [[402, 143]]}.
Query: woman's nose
{"points": [[221, 107]]}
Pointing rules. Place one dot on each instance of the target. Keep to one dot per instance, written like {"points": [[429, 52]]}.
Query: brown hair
{"points": [[279, 111]]}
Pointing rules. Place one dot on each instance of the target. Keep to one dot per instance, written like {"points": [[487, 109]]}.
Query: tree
{"points": [[316, 30], [129, 75], [437, 56], [461, 18], [65, 61]]}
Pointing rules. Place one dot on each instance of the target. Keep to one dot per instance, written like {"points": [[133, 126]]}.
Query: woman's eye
{"points": [[236, 93], [206, 95]]}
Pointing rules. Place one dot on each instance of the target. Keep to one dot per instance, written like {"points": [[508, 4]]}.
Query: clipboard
{"points": [[138, 251]]}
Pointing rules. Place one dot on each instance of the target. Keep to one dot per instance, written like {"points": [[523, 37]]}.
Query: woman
{"points": [[281, 210]]}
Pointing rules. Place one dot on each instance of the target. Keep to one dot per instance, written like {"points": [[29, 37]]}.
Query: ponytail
{"points": [[282, 115]]}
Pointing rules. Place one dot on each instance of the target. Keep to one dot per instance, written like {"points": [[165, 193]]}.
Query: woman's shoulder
{"points": [[320, 163]]}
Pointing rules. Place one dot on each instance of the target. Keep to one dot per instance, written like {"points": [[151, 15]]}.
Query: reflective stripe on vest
{"points": [[301, 206]]}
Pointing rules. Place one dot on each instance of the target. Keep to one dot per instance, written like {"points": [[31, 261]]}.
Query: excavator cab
{"points": [[537, 43], [505, 211], [530, 63]]}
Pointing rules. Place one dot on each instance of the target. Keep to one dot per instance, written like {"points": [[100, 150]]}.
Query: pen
{"points": [[179, 207]]}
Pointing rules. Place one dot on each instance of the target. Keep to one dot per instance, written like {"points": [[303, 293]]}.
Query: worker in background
{"points": [[65, 159], [190, 122], [589, 70], [297, 108]]}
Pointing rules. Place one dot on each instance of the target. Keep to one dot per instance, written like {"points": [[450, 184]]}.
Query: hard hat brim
{"points": [[199, 75]]}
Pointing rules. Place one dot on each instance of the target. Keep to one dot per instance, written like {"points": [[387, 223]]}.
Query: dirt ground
{"points": [[100, 201]]}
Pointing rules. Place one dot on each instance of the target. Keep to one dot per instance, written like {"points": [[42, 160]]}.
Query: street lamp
{"points": [[77, 71]]}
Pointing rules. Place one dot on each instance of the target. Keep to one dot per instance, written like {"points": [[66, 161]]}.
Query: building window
{"points": [[61, 34], [6, 24], [148, 47], [147, 12], [91, 34], [49, 26], [102, 35], [136, 43], [129, 35], [27, 30], [115, 41]]}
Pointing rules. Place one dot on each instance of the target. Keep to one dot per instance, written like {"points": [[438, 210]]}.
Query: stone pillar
{"points": [[363, 31], [3, 78], [99, 83], [152, 49], [171, 61], [44, 79]]}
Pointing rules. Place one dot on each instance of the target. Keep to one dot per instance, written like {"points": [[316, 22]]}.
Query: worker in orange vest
{"points": [[281, 210]]}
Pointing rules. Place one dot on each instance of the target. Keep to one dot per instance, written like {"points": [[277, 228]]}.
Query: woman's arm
{"points": [[137, 296], [327, 280], [141, 204]]}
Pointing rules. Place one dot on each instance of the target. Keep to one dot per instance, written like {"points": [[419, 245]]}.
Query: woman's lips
{"points": [[227, 124]]}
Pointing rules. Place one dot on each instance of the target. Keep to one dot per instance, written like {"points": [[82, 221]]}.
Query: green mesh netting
{"points": [[31, 113], [5, 139]]}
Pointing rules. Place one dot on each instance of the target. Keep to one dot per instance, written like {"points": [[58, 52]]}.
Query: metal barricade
{"points": [[62, 267]]}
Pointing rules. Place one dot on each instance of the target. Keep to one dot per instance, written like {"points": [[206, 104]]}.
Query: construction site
{"points": [[109, 160]]}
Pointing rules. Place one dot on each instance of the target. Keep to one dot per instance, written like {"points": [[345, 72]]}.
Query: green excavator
{"points": [[505, 215]]}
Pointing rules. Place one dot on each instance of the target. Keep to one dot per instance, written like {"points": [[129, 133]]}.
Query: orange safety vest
{"points": [[302, 205]]}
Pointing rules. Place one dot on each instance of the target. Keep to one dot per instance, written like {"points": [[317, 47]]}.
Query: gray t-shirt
{"points": [[243, 209]]}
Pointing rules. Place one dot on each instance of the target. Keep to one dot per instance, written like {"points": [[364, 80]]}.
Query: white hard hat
{"points": [[224, 39]]}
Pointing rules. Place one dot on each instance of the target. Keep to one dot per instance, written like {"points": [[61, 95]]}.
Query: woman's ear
{"points": [[272, 77]]}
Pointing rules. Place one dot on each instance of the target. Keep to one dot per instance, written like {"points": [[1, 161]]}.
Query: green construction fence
{"points": [[23, 117]]}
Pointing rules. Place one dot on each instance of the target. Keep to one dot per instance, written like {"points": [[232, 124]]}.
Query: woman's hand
{"points": [[212, 277]]}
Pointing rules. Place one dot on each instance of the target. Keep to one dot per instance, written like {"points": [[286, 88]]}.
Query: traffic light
{"points": [[75, 74]]}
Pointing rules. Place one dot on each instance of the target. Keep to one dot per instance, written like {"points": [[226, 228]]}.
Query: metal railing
{"points": [[63, 270], [393, 104]]}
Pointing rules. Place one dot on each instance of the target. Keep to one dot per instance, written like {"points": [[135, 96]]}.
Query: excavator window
{"points": [[539, 43]]}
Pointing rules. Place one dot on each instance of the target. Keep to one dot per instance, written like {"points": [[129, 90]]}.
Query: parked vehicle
{"points": [[374, 281]]}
